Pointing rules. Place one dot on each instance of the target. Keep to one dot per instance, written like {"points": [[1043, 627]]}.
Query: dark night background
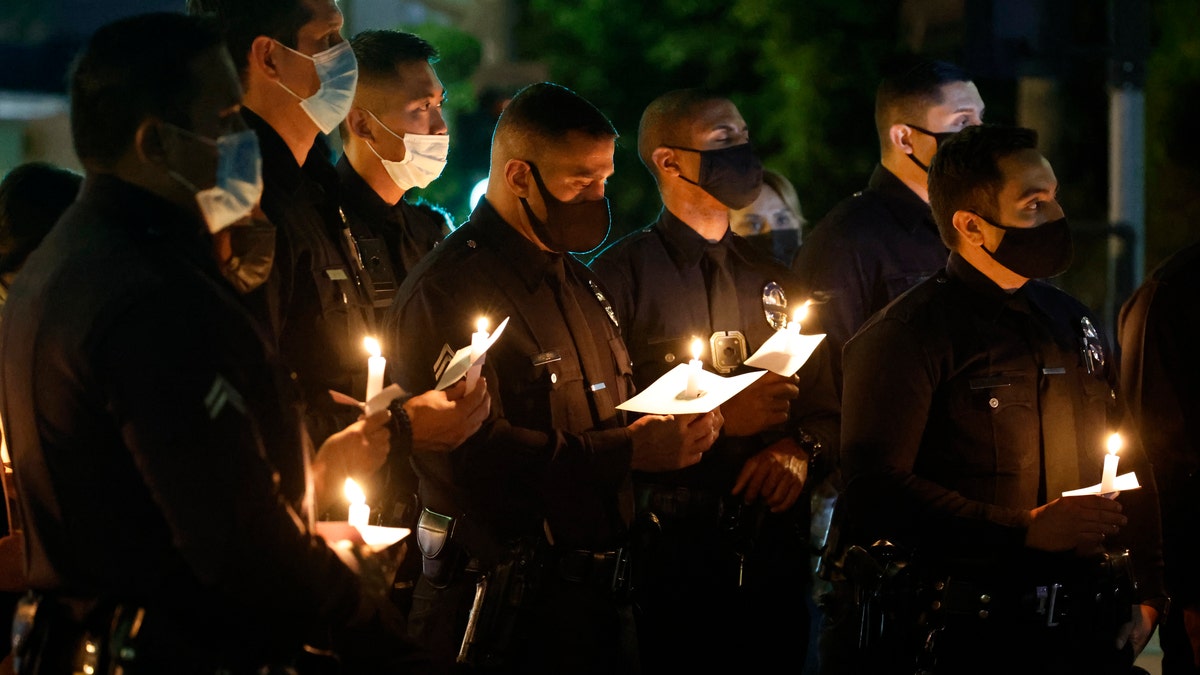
{"points": [[802, 73]]}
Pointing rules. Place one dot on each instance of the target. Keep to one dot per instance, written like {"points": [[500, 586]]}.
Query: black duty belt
{"points": [[607, 570], [670, 502], [1049, 604]]}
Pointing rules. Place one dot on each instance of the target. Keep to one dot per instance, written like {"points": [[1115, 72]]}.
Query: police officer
{"points": [[1160, 377], [395, 140], [546, 481], [149, 422], [32, 198], [299, 77], [971, 405], [721, 585], [882, 241]]}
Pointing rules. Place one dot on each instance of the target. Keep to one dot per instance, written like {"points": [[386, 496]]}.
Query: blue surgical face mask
{"points": [[338, 71], [238, 182]]}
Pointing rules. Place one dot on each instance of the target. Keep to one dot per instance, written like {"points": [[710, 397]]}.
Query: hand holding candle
{"points": [[478, 343], [360, 513], [375, 367], [694, 368], [1109, 477]]}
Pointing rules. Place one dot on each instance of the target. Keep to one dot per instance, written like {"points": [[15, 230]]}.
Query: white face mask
{"points": [[338, 71], [424, 158], [239, 179]]}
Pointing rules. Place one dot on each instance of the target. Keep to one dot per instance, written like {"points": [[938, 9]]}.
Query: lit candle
{"points": [[360, 513], [800, 314], [694, 368], [479, 337], [478, 341], [1109, 477], [375, 367]]}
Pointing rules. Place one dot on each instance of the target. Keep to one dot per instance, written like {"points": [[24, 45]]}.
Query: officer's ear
{"points": [[357, 121], [901, 137], [518, 177], [665, 162], [148, 142], [262, 57], [967, 225]]}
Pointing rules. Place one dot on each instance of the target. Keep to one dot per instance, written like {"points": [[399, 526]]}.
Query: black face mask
{"points": [[938, 137], [568, 228], [1034, 252], [733, 175]]}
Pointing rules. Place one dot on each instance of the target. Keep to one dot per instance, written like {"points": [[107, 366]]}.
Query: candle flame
{"points": [[354, 493], [1114, 443], [697, 348], [801, 312], [371, 345], [481, 324]]}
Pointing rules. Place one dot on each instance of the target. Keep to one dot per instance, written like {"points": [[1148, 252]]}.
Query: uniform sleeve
{"points": [[1159, 376], [890, 381], [817, 411], [196, 446]]}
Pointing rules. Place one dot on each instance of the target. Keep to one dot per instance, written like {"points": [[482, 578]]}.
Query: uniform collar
{"points": [[529, 262], [360, 196], [910, 211], [992, 296], [685, 246], [149, 216], [279, 166]]}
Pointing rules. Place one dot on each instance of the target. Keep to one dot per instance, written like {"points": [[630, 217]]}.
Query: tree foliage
{"points": [[803, 75]]}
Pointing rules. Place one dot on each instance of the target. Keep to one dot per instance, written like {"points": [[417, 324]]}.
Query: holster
{"points": [[509, 583], [440, 556]]}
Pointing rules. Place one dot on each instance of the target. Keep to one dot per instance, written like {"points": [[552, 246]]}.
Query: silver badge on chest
{"points": [[612, 315], [774, 303], [1091, 347]]}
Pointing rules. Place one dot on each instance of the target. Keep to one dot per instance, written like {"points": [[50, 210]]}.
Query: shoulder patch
{"points": [[442, 361]]}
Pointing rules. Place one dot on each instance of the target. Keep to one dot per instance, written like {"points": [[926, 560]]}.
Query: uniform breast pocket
{"points": [[898, 283], [540, 385], [1000, 411], [1096, 388], [661, 354], [333, 284], [1099, 401], [621, 360]]}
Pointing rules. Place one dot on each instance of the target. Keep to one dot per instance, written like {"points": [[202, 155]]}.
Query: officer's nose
{"points": [[1052, 211], [593, 192], [437, 123]]}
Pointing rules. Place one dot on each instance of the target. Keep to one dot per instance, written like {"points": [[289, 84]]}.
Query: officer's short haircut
{"points": [[380, 51], [241, 21], [33, 197], [132, 69], [909, 88], [965, 174], [663, 120], [547, 112]]}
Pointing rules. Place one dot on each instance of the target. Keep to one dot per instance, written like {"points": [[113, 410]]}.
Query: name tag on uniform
{"points": [[1054, 371], [545, 357], [336, 274], [598, 386]]}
